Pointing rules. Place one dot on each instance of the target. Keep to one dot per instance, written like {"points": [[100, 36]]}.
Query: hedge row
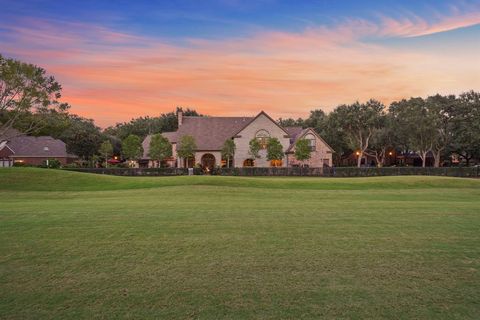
{"points": [[294, 171]]}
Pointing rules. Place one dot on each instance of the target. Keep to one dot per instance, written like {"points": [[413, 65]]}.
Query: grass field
{"points": [[76, 245]]}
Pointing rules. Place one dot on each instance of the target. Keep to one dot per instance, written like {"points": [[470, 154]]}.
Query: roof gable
{"points": [[302, 133], [258, 115]]}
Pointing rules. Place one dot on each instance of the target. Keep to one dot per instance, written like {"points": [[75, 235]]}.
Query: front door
{"points": [[208, 161]]}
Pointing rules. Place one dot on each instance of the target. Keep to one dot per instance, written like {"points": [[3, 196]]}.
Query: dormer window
{"points": [[262, 137], [45, 149]]}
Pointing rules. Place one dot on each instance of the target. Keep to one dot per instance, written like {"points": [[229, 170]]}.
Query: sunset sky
{"points": [[121, 59]]}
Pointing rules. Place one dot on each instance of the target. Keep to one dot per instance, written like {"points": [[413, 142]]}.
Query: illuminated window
{"points": [[276, 163], [248, 163], [262, 137], [312, 142]]}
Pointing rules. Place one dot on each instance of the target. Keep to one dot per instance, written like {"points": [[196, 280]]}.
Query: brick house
{"points": [[19, 148], [210, 133]]}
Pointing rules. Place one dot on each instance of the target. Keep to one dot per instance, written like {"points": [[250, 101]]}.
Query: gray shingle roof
{"points": [[45, 146], [209, 133]]}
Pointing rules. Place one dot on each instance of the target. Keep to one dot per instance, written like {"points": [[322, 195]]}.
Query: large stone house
{"points": [[19, 148], [210, 133]]}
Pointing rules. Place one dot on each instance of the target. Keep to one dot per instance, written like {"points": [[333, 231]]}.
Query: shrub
{"points": [[51, 163]]}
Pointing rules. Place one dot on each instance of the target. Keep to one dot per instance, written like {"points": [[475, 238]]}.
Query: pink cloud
{"points": [[111, 76]]}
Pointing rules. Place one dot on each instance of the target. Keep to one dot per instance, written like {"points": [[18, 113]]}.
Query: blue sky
{"points": [[218, 18]]}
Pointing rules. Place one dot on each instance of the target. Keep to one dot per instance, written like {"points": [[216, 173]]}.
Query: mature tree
{"points": [[186, 148], [254, 148], [106, 150], [290, 122], [316, 120], [359, 121], [466, 126], [25, 89], [382, 140], [274, 149], [48, 123], [228, 150], [303, 151], [132, 147], [441, 110], [144, 126], [160, 148], [82, 137], [336, 137], [415, 125]]}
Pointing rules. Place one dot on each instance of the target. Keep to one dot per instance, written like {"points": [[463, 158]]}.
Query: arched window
{"points": [[249, 163], [312, 142], [276, 163], [262, 137]]}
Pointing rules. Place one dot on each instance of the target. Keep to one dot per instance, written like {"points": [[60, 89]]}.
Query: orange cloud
{"points": [[111, 76]]}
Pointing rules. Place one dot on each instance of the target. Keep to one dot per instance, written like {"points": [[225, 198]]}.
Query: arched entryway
{"points": [[208, 161]]}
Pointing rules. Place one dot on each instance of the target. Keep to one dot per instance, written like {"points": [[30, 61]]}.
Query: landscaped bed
{"points": [[77, 245]]}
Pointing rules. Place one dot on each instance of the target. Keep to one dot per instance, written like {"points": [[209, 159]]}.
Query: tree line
{"points": [[436, 126]]}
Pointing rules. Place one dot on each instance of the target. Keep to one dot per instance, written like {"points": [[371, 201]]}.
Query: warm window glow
{"points": [[276, 163], [262, 137], [248, 163]]}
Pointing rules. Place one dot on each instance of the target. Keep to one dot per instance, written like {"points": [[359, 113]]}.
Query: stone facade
{"points": [[242, 140], [210, 133], [321, 154]]}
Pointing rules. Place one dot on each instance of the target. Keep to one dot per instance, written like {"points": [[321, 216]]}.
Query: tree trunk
{"points": [[436, 156], [423, 156], [359, 160]]}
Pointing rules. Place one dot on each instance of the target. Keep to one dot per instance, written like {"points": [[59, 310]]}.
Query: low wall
{"points": [[137, 171], [308, 172]]}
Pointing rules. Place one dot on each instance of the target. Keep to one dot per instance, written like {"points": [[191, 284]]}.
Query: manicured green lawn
{"points": [[75, 245]]}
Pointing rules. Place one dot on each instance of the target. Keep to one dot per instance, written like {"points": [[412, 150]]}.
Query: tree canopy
{"points": [[132, 147], [26, 89], [302, 150], [254, 148], [274, 149], [160, 148], [228, 150], [187, 146], [359, 122]]}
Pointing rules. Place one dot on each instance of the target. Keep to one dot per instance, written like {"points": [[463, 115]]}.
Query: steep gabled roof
{"points": [[258, 115], [297, 133]]}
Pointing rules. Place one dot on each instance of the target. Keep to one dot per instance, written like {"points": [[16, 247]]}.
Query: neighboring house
{"points": [[32, 150], [210, 133]]}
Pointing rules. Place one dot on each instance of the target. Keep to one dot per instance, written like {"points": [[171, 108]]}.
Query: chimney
{"points": [[180, 117]]}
